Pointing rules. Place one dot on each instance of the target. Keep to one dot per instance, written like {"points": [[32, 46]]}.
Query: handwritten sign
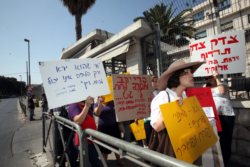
{"points": [[225, 53], [110, 96], [138, 130], [204, 95], [69, 81], [132, 96], [189, 130]]}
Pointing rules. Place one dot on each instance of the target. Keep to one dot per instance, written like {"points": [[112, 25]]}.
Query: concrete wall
{"points": [[133, 58], [241, 134]]}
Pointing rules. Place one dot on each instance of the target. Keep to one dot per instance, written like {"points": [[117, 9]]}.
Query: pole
{"points": [[29, 64], [156, 42], [27, 73], [217, 15], [21, 87]]}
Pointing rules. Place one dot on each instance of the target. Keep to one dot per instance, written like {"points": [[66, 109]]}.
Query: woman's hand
{"points": [[88, 101], [216, 75], [101, 99], [179, 99]]}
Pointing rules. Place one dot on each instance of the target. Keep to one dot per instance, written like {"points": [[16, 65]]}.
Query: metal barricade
{"points": [[23, 107], [118, 146], [121, 147]]}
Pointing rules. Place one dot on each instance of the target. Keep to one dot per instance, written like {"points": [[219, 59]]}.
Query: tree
{"points": [[173, 26], [78, 8]]}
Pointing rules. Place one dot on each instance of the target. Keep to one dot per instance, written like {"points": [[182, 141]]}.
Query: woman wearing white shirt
{"points": [[225, 111], [171, 85]]}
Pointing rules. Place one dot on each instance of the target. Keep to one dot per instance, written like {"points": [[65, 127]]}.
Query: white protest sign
{"points": [[225, 53], [73, 80]]}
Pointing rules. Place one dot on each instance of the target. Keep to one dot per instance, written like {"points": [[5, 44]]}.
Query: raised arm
{"points": [[98, 109], [222, 88], [81, 117]]}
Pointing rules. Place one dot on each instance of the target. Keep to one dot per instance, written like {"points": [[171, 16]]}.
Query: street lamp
{"points": [[26, 40], [21, 87]]}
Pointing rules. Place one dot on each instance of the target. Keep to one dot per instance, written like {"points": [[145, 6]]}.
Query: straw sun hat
{"points": [[175, 66]]}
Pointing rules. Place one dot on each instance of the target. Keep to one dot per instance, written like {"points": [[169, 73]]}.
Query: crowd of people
{"points": [[169, 87]]}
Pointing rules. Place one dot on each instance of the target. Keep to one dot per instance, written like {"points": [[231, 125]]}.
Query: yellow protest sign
{"points": [[138, 130], [190, 132], [110, 97]]}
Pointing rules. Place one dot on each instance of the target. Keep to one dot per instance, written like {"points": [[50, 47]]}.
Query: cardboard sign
{"points": [[189, 130], [110, 96], [73, 80], [132, 96], [204, 95], [138, 130], [225, 53]]}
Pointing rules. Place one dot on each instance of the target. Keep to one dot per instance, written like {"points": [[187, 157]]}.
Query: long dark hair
{"points": [[174, 80], [208, 85]]}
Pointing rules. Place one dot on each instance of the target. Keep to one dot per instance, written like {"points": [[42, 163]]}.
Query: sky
{"points": [[50, 28]]}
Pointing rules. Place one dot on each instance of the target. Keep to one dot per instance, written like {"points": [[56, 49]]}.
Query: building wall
{"points": [[133, 58]]}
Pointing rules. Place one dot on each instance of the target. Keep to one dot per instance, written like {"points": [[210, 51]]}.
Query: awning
{"points": [[115, 51]]}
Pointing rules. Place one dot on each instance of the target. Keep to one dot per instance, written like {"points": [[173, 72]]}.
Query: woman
{"points": [[107, 124], [171, 85], [225, 112], [82, 114]]}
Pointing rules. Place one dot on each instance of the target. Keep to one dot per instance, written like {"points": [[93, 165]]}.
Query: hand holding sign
{"points": [[138, 130]]}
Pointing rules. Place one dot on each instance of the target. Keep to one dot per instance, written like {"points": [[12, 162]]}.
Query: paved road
{"points": [[10, 123]]}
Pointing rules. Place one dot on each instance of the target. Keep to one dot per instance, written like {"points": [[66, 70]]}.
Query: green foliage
{"points": [[78, 8], [172, 24], [37, 102], [10, 86]]}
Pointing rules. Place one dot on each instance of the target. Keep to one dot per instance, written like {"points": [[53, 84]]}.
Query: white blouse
{"points": [[162, 98], [222, 102]]}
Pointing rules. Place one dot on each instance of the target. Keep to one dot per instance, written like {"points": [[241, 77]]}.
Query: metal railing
{"points": [[23, 107], [116, 145]]}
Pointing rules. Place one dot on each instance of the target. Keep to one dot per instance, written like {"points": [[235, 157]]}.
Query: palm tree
{"points": [[78, 8], [173, 27]]}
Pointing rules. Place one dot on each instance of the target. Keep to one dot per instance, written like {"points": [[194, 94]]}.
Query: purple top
{"points": [[75, 110], [107, 116]]}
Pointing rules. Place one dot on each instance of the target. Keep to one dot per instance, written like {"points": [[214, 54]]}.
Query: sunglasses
{"points": [[206, 78]]}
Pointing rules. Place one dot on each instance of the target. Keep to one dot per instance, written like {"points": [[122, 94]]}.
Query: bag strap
{"points": [[168, 97]]}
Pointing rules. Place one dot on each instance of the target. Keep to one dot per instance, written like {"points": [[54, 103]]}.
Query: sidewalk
{"points": [[29, 138]]}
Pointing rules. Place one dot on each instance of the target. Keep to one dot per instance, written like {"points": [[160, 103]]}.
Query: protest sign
{"points": [[110, 96], [204, 95], [189, 130], [73, 80], [132, 96], [138, 130], [225, 53]]}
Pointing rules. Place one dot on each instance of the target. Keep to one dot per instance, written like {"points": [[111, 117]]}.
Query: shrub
{"points": [[37, 102]]}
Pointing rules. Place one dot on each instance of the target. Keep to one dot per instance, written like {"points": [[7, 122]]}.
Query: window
{"points": [[227, 26], [198, 16], [200, 35], [224, 4]]}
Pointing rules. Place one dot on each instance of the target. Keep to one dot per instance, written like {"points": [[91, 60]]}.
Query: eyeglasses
{"points": [[206, 78]]}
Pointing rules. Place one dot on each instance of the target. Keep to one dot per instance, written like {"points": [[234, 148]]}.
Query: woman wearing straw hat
{"points": [[171, 85]]}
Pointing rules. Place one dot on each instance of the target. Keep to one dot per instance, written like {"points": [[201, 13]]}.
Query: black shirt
{"points": [[31, 103]]}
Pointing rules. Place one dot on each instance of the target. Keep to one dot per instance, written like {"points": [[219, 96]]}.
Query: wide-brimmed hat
{"points": [[175, 66]]}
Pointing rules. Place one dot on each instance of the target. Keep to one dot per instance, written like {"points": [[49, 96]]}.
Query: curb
{"points": [[22, 113]]}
